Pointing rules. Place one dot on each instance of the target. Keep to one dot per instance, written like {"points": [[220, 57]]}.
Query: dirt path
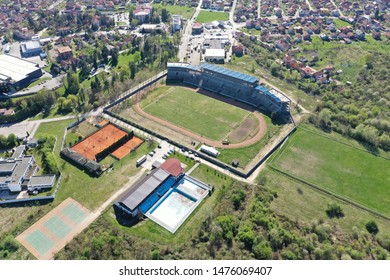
{"points": [[261, 132]]}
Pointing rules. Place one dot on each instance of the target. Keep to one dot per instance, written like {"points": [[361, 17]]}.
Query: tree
{"points": [[133, 69], [372, 227], [164, 15], [114, 57], [73, 84], [11, 141], [238, 197], [262, 251], [334, 210], [105, 53]]}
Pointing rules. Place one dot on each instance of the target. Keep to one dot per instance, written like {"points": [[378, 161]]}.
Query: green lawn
{"points": [[207, 16], [38, 81], [337, 167], [339, 54], [184, 11], [198, 113], [304, 204], [340, 23], [251, 31]]}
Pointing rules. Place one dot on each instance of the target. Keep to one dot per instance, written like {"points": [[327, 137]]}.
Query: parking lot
{"points": [[161, 152]]}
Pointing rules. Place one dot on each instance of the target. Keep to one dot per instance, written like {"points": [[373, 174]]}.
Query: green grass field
{"points": [[337, 167], [198, 113], [207, 16], [184, 11], [303, 203], [339, 54]]}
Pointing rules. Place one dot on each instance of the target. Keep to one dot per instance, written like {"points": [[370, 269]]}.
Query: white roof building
{"points": [[214, 55], [15, 69]]}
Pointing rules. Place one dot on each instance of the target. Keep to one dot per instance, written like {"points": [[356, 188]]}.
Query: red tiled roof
{"points": [[172, 166]]}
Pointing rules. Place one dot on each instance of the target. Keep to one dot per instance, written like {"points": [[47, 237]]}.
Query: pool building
{"points": [[166, 195]]}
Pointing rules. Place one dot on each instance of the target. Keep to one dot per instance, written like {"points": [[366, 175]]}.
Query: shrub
{"points": [[334, 210], [372, 227]]}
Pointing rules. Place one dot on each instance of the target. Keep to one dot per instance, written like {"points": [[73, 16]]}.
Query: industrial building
{"points": [[226, 82], [18, 172], [17, 73], [30, 48], [214, 55]]}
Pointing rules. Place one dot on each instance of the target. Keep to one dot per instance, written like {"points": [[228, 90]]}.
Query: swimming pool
{"points": [[178, 203]]}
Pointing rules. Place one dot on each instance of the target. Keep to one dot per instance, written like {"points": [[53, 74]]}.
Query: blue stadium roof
{"points": [[228, 72], [262, 89], [182, 65], [273, 96]]}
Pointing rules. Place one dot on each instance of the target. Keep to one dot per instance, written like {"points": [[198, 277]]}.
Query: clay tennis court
{"points": [[52, 232], [128, 147], [99, 141]]}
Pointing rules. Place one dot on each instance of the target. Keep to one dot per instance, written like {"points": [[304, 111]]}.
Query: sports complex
{"points": [[109, 139], [211, 105]]}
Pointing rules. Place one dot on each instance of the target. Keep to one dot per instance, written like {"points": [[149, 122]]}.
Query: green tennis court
{"points": [[53, 231], [74, 213], [40, 242], [58, 227]]}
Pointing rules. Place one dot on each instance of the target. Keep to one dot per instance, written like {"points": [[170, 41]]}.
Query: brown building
{"points": [[65, 53]]}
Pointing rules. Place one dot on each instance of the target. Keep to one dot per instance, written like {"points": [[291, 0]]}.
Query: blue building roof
{"points": [[182, 65], [273, 96], [261, 88], [228, 72]]}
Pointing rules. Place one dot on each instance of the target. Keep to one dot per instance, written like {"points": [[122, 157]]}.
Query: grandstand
{"points": [[236, 85]]}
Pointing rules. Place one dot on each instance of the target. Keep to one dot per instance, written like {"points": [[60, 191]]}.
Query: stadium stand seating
{"points": [[233, 84]]}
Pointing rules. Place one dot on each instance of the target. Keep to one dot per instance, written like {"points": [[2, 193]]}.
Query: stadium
{"points": [[236, 85], [228, 111]]}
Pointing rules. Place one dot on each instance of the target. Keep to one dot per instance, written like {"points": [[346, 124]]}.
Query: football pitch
{"points": [[196, 112], [337, 167]]}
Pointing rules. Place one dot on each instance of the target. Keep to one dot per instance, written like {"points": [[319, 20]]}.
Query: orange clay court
{"points": [[126, 148], [99, 141]]}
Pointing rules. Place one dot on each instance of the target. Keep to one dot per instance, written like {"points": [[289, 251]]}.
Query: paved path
{"points": [[261, 131]]}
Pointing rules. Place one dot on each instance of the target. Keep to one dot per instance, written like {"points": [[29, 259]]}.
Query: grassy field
{"points": [[339, 168], [251, 31], [340, 23], [201, 114], [184, 11], [339, 54], [207, 16], [302, 203]]}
